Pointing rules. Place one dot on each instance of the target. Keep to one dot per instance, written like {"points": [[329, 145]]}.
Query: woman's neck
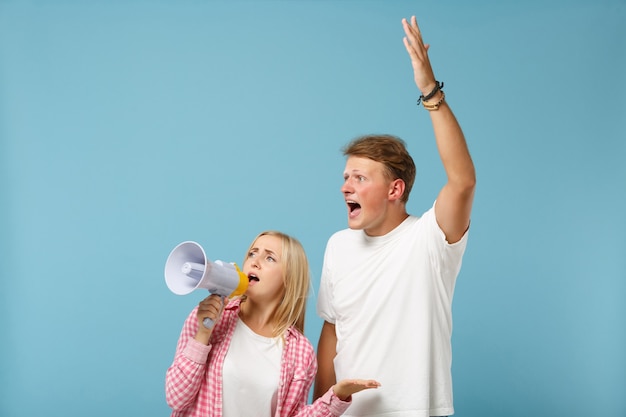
{"points": [[259, 320]]}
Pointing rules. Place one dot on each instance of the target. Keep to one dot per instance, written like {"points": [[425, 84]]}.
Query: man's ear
{"points": [[396, 189]]}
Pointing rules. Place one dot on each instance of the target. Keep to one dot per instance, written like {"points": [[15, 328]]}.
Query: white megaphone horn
{"points": [[187, 268]]}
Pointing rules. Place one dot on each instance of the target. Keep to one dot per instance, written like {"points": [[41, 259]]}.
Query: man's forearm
{"points": [[326, 352]]}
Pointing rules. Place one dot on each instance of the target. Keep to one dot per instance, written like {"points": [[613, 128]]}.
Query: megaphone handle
{"points": [[207, 322]]}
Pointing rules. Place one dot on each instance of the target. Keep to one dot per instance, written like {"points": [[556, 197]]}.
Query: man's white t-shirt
{"points": [[390, 298]]}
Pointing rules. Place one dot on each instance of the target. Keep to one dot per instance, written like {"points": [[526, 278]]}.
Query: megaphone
{"points": [[187, 268]]}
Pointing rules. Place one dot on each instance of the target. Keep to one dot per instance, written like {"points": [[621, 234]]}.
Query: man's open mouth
{"points": [[352, 206]]}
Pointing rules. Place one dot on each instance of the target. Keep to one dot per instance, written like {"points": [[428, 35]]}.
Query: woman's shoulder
{"points": [[294, 337]]}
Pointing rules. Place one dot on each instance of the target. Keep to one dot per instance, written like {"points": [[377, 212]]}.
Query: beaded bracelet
{"points": [[422, 98], [435, 106]]}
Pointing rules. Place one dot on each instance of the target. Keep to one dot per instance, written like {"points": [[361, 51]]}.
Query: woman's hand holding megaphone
{"points": [[210, 308]]}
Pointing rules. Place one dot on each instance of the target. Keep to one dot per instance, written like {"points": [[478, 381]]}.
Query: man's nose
{"points": [[346, 187]]}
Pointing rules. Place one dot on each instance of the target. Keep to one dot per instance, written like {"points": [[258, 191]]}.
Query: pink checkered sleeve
{"points": [[298, 372], [328, 405], [187, 372]]}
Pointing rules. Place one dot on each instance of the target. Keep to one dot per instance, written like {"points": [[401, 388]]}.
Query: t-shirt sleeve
{"points": [[432, 220], [449, 255], [325, 294]]}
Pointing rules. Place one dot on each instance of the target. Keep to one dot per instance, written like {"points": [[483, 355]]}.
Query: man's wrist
{"points": [[431, 92], [435, 101]]}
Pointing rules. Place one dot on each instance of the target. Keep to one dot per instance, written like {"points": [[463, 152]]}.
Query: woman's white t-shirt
{"points": [[251, 374]]}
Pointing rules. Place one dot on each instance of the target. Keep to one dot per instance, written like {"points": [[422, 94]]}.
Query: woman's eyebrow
{"points": [[268, 251]]}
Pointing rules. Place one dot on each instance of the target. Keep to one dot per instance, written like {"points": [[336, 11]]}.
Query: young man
{"points": [[388, 280]]}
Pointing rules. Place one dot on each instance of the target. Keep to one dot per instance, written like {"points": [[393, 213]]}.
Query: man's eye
{"points": [[361, 178]]}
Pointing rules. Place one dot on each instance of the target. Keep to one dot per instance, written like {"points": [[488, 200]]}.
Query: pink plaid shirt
{"points": [[193, 383]]}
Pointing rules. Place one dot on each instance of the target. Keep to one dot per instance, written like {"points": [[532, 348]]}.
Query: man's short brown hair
{"points": [[391, 152]]}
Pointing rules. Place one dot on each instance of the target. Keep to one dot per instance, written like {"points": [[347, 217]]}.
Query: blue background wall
{"points": [[128, 127]]}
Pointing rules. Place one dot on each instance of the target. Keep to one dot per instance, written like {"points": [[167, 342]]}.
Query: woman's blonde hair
{"points": [[297, 281]]}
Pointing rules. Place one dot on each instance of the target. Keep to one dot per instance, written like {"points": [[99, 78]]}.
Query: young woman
{"points": [[255, 361]]}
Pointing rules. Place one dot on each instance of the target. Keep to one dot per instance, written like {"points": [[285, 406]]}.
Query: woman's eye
{"points": [[271, 259]]}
